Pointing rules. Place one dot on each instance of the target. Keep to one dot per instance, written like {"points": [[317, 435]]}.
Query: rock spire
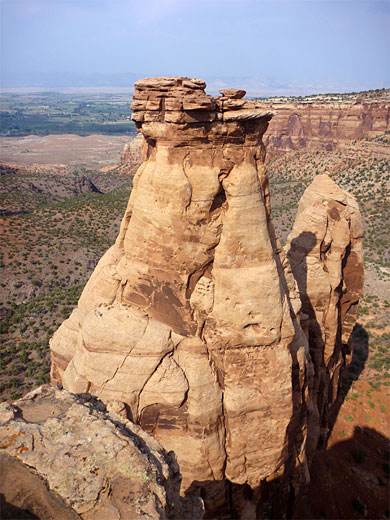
{"points": [[192, 318]]}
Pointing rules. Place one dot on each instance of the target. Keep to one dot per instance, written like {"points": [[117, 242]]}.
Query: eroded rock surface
{"points": [[326, 257], [68, 457], [132, 155], [192, 317], [329, 126], [348, 127]]}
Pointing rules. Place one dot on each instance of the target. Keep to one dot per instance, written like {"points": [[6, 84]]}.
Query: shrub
{"points": [[360, 455]]}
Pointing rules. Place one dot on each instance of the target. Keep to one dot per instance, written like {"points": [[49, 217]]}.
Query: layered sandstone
{"points": [[132, 155], [326, 257], [192, 318], [328, 126], [67, 457], [187, 318], [350, 127]]}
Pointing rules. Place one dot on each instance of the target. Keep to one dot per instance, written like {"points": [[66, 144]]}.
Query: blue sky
{"points": [[269, 43]]}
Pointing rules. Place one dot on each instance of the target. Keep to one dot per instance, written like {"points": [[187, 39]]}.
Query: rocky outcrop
{"points": [[192, 318], [132, 155], [69, 457], [327, 126], [326, 257], [350, 127], [84, 185], [32, 169]]}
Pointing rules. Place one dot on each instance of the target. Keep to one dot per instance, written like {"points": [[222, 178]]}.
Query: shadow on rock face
{"points": [[10, 512], [25, 494], [334, 371], [225, 500]]}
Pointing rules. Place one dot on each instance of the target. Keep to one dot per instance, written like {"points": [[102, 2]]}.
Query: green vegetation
{"points": [[329, 97], [54, 113], [367, 179], [49, 253]]}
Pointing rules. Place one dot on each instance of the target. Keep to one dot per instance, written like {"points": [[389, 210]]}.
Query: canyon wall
{"points": [[327, 126], [192, 319], [132, 155]]}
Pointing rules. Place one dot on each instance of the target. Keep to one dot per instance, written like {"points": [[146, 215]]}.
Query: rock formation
{"points": [[326, 257], [192, 318], [84, 185], [347, 127], [68, 457], [327, 126], [132, 155]]}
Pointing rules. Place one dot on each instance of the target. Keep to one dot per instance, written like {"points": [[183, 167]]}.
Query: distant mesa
{"points": [[330, 126]]}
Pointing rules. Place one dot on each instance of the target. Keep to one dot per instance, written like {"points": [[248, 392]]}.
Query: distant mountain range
{"points": [[254, 86]]}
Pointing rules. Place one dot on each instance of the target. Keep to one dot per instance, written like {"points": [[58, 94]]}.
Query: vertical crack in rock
{"points": [[185, 158], [200, 313], [119, 367]]}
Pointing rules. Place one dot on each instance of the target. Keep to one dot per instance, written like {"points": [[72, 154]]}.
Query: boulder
{"points": [[64, 456]]}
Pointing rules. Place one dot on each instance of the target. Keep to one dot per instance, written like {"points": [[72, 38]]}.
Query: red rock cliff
{"points": [[327, 126]]}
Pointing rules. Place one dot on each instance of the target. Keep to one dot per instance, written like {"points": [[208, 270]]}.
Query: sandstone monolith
{"points": [[192, 318], [188, 318], [326, 256]]}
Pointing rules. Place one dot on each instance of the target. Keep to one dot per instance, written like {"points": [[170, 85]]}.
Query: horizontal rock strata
{"points": [[328, 126], [346, 127], [187, 318]]}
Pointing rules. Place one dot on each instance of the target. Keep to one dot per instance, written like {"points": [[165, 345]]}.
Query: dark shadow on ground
{"points": [[351, 373], [350, 480]]}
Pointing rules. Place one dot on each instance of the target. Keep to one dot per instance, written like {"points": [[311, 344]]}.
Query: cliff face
{"points": [[326, 126], [346, 127], [192, 319], [132, 155]]}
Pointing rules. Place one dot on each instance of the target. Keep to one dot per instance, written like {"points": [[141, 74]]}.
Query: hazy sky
{"points": [[341, 42]]}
